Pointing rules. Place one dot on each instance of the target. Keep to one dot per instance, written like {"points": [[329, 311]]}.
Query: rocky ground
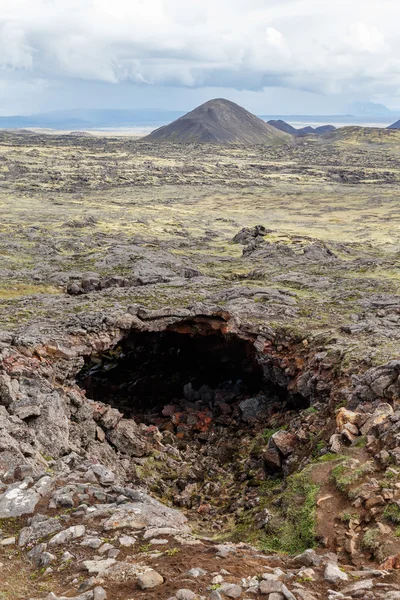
{"points": [[199, 381]]}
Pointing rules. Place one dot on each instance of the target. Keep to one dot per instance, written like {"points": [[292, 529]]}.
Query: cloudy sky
{"points": [[273, 56]]}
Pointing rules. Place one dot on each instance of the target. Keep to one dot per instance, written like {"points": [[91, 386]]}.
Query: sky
{"points": [[271, 56]]}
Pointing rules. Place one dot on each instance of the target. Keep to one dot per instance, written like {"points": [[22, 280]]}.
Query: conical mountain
{"points": [[220, 121]]}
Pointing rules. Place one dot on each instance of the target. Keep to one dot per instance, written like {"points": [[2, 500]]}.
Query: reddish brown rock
{"points": [[284, 441]]}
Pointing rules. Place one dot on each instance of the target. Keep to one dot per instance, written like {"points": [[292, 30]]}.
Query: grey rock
{"points": [[8, 389], [66, 557], [127, 541], [146, 512], [224, 551], [47, 559], [99, 593], [149, 580], [105, 548], [287, 593], [367, 584], [86, 596], [127, 438], [196, 572], [253, 409], [8, 541], [35, 554], [184, 594], [270, 586], [98, 567], [308, 558], [17, 501], [52, 425], [92, 542], [231, 590], [72, 533], [63, 500], [333, 574], [381, 414], [106, 476], [39, 529]]}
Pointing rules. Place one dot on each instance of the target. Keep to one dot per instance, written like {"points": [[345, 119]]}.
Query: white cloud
{"points": [[318, 45]]}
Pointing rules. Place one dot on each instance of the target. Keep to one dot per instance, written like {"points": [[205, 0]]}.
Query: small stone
{"points": [[98, 567], [284, 441], [99, 593], [217, 579], [127, 541], [105, 548], [333, 574], [149, 580], [306, 573], [66, 557], [196, 573], [287, 594], [270, 586], [46, 559], [64, 501], [8, 541], [367, 584], [231, 590], [78, 531], [86, 584], [92, 542], [308, 558], [185, 595]]}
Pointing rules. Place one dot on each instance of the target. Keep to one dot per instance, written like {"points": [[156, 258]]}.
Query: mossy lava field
{"points": [[199, 368]]}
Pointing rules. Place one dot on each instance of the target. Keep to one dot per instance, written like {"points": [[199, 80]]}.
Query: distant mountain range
{"points": [[80, 119], [283, 126], [91, 119]]}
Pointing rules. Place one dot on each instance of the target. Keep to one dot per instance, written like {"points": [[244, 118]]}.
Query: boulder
{"points": [[333, 574], [145, 512], [8, 389], [149, 580], [380, 415], [253, 409], [127, 438], [231, 590], [18, 500], [272, 458], [284, 441]]}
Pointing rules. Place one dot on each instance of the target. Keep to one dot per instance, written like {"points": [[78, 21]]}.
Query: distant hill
{"points": [[324, 129], [91, 119], [283, 126], [394, 125], [220, 121], [362, 109], [363, 135]]}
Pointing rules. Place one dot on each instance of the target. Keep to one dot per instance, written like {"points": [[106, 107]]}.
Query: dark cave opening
{"points": [[185, 379]]}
